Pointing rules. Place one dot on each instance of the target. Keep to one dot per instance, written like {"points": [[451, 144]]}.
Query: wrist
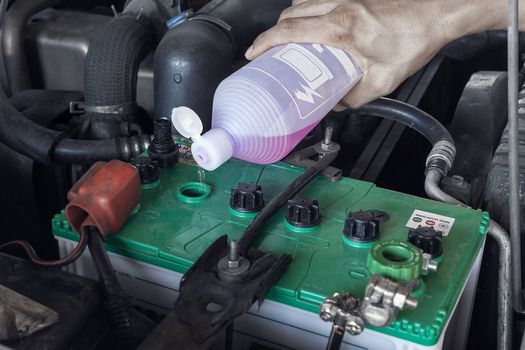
{"points": [[463, 17]]}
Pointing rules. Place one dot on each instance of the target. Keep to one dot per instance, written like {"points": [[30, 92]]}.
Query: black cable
{"points": [[35, 259], [281, 199], [3, 11], [408, 115], [130, 326], [335, 340]]}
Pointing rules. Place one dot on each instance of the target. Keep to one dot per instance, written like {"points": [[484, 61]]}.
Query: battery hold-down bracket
{"points": [[211, 299]]}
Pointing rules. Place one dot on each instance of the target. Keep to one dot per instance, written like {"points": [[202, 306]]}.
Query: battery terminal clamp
{"points": [[104, 197]]}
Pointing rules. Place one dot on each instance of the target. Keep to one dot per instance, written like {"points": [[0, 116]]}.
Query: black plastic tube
{"points": [[110, 74], [408, 115], [13, 41]]}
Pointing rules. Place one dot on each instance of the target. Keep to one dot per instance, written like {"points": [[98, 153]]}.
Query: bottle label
{"points": [[311, 75], [313, 71]]}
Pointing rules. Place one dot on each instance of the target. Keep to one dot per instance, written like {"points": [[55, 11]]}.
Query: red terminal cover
{"points": [[104, 197]]}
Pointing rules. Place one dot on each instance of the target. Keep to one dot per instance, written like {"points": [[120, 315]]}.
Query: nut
{"points": [[328, 312], [353, 327], [233, 264]]}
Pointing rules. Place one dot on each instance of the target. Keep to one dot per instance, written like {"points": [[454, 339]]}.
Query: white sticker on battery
{"points": [[438, 222]]}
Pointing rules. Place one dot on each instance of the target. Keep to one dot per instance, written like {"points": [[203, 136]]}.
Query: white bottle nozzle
{"points": [[209, 150]]}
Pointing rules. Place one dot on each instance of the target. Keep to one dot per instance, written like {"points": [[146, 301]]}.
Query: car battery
{"points": [[179, 216]]}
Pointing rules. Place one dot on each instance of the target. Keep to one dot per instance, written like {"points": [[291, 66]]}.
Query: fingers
{"points": [[289, 30], [358, 97], [376, 82], [298, 2], [339, 107], [309, 8]]}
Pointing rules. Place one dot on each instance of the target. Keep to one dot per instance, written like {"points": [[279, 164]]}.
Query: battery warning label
{"points": [[437, 222]]}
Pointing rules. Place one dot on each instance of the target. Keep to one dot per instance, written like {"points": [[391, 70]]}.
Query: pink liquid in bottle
{"points": [[263, 110]]}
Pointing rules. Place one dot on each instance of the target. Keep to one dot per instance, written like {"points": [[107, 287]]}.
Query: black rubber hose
{"points": [[45, 145], [15, 59], [471, 46], [110, 76], [408, 115], [188, 71]]}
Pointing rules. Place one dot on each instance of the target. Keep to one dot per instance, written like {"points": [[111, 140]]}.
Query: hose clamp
{"points": [[444, 151], [79, 107]]}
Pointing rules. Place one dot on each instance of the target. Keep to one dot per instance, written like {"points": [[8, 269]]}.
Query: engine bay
{"points": [[384, 228]]}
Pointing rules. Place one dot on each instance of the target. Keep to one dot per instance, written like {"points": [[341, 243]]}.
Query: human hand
{"points": [[389, 40]]}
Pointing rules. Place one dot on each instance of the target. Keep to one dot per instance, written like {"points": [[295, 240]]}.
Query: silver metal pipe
{"points": [[433, 190], [522, 346], [504, 330], [514, 171]]}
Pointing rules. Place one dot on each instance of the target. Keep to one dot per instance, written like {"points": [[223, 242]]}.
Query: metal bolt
{"points": [[327, 142], [432, 266], [328, 133], [411, 302], [233, 255], [428, 263]]}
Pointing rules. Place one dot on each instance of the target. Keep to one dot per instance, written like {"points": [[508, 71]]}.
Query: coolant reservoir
{"points": [[262, 111]]}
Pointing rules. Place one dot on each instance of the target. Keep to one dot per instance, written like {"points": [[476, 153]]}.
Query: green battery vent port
{"points": [[400, 261], [193, 192]]}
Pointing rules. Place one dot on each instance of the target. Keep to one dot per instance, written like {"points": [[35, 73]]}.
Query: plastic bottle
{"points": [[262, 111]]}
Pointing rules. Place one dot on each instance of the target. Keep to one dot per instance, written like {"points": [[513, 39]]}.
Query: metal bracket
{"points": [[210, 300], [305, 157], [79, 107], [342, 309], [21, 316], [345, 306]]}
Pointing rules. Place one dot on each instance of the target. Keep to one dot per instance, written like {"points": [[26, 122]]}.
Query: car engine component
{"points": [[335, 246]]}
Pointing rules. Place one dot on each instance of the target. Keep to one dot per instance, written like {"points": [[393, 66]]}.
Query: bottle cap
{"points": [[210, 150], [187, 122]]}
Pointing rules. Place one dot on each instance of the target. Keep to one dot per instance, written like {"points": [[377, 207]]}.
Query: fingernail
{"points": [[339, 108], [249, 52]]}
